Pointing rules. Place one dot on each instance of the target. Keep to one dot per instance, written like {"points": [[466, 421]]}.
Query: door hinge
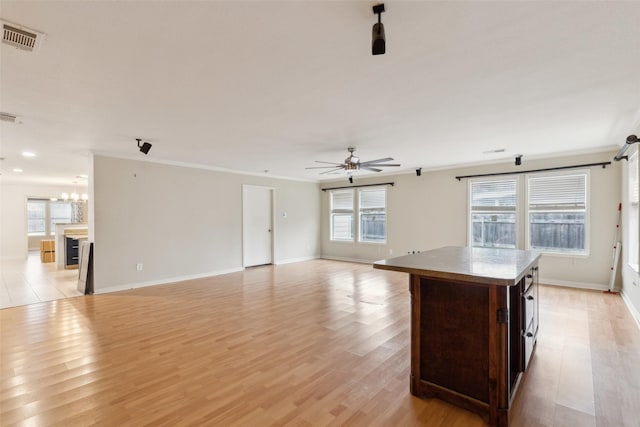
{"points": [[503, 315]]}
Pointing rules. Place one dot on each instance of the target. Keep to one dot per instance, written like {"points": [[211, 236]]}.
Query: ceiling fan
{"points": [[353, 163]]}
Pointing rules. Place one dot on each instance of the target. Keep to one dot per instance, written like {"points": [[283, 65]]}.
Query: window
{"points": [[634, 212], [36, 217], [373, 216], [42, 215], [493, 214], [342, 215], [59, 212], [557, 212]]}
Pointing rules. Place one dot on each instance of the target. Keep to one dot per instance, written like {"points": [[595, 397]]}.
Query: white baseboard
{"points": [[128, 286], [634, 312], [359, 261], [572, 284], [292, 260]]}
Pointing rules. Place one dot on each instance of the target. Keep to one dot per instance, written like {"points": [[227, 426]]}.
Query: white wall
{"points": [[182, 222], [430, 211], [630, 278], [13, 214]]}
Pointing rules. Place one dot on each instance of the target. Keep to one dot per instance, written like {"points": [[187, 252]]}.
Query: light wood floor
{"points": [[308, 344], [32, 281]]}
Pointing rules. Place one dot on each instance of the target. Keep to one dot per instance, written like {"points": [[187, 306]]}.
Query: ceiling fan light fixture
{"points": [[352, 164]]}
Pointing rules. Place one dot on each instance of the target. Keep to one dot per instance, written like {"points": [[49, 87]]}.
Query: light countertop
{"points": [[478, 265]]}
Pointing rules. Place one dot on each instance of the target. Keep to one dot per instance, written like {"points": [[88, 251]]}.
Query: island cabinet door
{"points": [[450, 342]]}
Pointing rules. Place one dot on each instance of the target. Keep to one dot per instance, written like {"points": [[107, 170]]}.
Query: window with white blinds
{"points": [[633, 234], [342, 215], [493, 213], [373, 216], [557, 213]]}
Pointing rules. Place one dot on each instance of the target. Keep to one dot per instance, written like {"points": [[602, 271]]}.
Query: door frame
{"points": [[272, 191]]}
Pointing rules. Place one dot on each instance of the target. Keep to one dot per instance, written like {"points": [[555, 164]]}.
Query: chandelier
{"points": [[74, 197]]}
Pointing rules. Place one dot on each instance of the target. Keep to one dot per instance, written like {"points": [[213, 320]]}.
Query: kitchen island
{"points": [[68, 238], [474, 324]]}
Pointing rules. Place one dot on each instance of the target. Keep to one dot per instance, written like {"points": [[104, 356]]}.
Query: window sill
{"points": [[562, 254]]}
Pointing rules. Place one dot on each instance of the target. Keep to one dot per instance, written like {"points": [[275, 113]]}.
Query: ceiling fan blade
{"points": [[329, 163], [382, 165], [331, 171], [322, 167], [368, 162], [368, 168]]}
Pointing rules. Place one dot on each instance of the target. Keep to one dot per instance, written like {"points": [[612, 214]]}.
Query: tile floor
{"points": [[30, 281]]}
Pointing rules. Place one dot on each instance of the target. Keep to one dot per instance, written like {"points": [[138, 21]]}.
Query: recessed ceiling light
{"points": [[28, 154], [17, 170]]}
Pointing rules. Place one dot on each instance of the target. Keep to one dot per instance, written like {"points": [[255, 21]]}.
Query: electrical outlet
{"points": [[139, 266]]}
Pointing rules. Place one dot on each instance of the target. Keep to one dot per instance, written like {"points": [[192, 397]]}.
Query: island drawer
{"points": [[529, 339], [528, 280], [528, 305]]}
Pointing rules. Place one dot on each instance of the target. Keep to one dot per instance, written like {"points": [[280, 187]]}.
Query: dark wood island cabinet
{"points": [[474, 324]]}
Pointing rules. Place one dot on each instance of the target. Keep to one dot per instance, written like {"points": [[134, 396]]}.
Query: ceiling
{"points": [[273, 86]]}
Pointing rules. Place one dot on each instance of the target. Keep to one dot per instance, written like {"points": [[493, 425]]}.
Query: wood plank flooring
{"points": [[308, 344]]}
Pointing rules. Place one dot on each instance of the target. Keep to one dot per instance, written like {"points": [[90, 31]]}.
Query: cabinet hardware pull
{"points": [[529, 334], [529, 276], [530, 298]]}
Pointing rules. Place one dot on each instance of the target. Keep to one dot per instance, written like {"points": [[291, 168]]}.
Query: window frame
{"points": [[343, 212], [587, 213], [471, 211], [360, 209], [45, 218]]}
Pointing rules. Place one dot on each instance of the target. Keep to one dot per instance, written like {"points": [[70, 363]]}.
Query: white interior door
{"points": [[257, 233]]}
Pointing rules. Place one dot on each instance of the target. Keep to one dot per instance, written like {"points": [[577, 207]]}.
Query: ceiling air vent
{"points": [[21, 37]]}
